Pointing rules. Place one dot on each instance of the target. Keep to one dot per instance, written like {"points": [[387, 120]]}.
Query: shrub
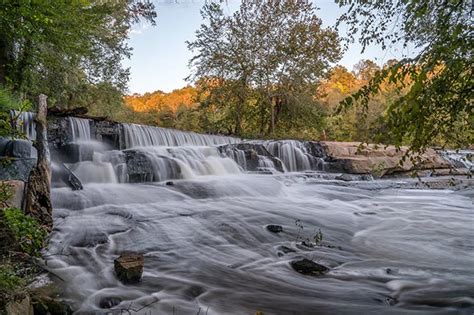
{"points": [[26, 230], [9, 280]]}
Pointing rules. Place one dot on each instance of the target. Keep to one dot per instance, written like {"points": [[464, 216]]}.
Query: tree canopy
{"points": [[438, 104], [62, 48], [260, 65]]}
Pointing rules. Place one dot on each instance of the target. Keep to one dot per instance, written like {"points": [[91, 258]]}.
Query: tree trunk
{"points": [[38, 193]]}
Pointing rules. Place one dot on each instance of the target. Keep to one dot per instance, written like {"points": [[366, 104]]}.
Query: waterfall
{"points": [[140, 136], [293, 154], [80, 129], [25, 123], [460, 158], [186, 162]]}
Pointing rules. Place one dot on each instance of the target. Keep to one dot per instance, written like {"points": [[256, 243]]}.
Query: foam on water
{"points": [[206, 246], [201, 224]]}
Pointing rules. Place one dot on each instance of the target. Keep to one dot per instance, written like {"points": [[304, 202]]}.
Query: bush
{"points": [[8, 102], [9, 280], [26, 230]]}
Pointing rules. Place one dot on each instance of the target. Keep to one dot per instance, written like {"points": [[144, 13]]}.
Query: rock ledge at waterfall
{"points": [[351, 157]]}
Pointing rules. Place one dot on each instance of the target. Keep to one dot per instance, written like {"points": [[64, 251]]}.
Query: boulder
{"points": [[16, 169], [18, 191], [129, 267], [3, 145], [46, 305], [275, 228], [109, 302], [19, 148], [344, 177], [309, 267], [20, 307], [352, 157], [253, 153]]}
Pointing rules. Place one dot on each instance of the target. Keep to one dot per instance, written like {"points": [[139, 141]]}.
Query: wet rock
{"points": [[46, 305], [286, 249], [109, 302], [254, 153], [3, 145], [275, 228], [169, 183], [16, 169], [282, 250], [309, 267], [390, 301], [344, 177], [19, 148], [19, 307], [129, 267]]}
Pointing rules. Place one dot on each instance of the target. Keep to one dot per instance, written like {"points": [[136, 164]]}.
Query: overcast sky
{"points": [[160, 56]]}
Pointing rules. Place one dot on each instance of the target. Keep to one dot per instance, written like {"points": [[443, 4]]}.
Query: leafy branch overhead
{"points": [[439, 101], [58, 48]]}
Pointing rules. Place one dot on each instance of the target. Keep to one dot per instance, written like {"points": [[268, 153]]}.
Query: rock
{"points": [[275, 228], [18, 191], [46, 305], [129, 267], [309, 267], [19, 148], [21, 307], [64, 112], [344, 177], [169, 183], [253, 153], [16, 169], [109, 302], [3, 145], [282, 250], [379, 160]]}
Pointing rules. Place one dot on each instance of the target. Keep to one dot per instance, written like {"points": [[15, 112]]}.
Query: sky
{"points": [[160, 55]]}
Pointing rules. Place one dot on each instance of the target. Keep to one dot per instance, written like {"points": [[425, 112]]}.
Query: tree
{"points": [[438, 105], [57, 47], [264, 61]]}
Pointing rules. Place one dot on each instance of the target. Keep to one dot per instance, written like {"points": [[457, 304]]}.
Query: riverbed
{"points": [[392, 247]]}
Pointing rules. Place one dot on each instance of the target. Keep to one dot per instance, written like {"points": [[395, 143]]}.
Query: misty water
{"points": [[201, 224]]}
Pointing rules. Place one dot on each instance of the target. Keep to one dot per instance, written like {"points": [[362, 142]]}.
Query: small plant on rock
{"points": [[316, 239]]}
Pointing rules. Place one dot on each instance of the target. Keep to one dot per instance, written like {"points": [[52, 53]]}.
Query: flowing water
{"points": [[200, 220]]}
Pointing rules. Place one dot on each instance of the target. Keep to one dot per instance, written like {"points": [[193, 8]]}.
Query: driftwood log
{"points": [[38, 192]]}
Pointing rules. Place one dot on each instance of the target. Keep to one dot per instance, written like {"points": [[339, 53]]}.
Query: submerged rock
{"points": [[129, 267], [309, 267], [344, 177], [275, 228], [109, 302]]}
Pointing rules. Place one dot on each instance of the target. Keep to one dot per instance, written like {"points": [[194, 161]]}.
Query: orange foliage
{"points": [[159, 100]]}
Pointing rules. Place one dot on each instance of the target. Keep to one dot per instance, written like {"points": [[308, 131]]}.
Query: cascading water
{"points": [[140, 136], [294, 155], [80, 129], [208, 248], [25, 122], [460, 158]]}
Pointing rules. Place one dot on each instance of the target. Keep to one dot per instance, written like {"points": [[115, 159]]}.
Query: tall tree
{"points": [[439, 101], [56, 47], [266, 58]]}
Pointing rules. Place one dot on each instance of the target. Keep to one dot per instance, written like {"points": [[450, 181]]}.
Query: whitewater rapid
{"points": [[207, 250]]}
